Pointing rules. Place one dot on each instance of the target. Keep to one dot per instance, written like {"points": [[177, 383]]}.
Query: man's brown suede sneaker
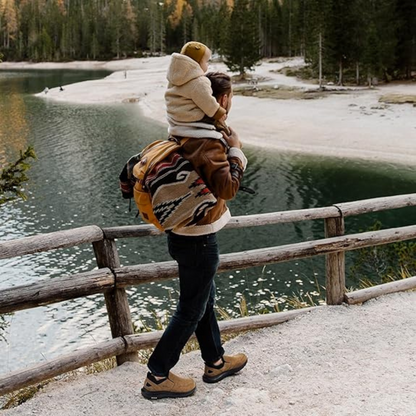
{"points": [[171, 386], [230, 365]]}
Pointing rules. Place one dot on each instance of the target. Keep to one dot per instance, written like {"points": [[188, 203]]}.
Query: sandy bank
{"points": [[338, 360], [352, 125]]}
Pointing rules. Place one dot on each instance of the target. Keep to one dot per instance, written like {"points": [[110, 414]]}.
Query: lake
{"points": [[81, 150]]}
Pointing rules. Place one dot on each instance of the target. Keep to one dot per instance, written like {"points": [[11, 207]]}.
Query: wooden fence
{"points": [[111, 279]]}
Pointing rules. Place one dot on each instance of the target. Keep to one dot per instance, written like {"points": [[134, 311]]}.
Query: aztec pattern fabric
{"points": [[179, 196], [126, 178]]}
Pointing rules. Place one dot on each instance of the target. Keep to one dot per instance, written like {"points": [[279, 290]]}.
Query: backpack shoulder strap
{"points": [[225, 144], [151, 155]]}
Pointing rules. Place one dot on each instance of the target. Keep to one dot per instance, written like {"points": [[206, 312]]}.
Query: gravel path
{"points": [[339, 360]]}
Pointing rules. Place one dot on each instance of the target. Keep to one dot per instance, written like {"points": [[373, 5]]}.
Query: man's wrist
{"points": [[238, 153], [236, 171]]}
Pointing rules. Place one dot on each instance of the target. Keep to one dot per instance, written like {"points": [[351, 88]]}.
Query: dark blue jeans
{"points": [[198, 259]]}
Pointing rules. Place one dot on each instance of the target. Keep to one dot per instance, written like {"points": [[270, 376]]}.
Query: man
{"points": [[220, 163]]}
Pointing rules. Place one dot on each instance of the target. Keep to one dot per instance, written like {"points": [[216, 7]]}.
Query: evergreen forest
{"points": [[354, 39]]}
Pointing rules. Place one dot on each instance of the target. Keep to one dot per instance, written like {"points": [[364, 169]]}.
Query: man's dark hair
{"points": [[220, 83]]}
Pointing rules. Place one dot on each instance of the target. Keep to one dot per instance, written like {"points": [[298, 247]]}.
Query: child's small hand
{"points": [[221, 124], [232, 138], [223, 118]]}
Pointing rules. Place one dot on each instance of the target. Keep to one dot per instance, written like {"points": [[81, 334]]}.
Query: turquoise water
{"points": [[81, 150]]}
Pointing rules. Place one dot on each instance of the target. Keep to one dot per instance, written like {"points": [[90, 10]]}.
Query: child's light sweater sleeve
{"points": [[202, 96]]}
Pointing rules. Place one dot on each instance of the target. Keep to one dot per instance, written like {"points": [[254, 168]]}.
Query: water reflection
{"points": [[13, 125]]}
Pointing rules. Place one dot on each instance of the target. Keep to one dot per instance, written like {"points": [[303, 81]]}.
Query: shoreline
{"points": [[354, 125]]}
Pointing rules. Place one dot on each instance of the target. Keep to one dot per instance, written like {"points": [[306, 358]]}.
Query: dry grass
{"points": [[285, 92], [398, 99]]}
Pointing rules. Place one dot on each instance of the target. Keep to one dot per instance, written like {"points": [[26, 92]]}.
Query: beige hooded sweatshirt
{"points": [[189, 94]]}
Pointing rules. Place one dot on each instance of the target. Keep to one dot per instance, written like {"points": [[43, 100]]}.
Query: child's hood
{"points": [[182, 69]]}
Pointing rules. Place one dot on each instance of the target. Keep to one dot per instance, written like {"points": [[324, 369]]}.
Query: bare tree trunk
{"points": [[290, 28], [341, 73], [320, 60], [357, 73], [370, 79], [162, 29]]}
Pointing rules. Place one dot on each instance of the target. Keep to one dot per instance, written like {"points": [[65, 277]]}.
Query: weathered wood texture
{"points": [[145, 273], [133, 275], [50, 241], [360, 296], [116, 299], [60, 365], [335, 264], [235, 222], [55, 290], [344, 209], [131, 231], [129, 344], [282, 217], [376, 204], [100, 281]]}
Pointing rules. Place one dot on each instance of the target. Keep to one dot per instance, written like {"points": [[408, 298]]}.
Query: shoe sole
{"points": [[223, 375], [155, 395]]}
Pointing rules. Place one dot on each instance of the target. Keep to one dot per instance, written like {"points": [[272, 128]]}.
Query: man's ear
{"points": [[223, 101]]}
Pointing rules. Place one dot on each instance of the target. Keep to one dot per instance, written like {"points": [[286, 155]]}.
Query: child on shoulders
{"points": [[189, 98]]}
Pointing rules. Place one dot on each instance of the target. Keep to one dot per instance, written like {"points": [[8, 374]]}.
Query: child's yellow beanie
{"points": [[194, 50]]}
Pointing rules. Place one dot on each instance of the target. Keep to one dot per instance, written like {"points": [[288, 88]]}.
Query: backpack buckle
{"points": [[177, 140]]}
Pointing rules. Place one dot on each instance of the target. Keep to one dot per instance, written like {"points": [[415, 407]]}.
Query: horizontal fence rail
{"points": [[376, 204], [111, 279], [89, 234], [144, 273], [56, 290], [102, 280], [360, 296], [50, 241]]}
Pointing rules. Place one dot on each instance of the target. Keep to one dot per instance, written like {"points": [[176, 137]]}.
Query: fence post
{"points": [[335, 264], [116, 300]]}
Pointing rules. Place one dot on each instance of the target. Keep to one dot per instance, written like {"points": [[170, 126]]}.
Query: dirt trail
{"points": [[339, 360]]}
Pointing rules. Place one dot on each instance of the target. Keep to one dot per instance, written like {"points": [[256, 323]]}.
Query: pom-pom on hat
{"points": [[194, 50]]}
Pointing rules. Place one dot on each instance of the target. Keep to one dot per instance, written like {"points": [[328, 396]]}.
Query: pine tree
{"points": [[377, 37], [287, 26], [316, 17], [14, 175], [221, 24], [242, 45], [55, 13], [10, 22], [129, 31], [210, 23], [299, 27], [379, 33], [339, 40], [269, 18], [406, 37]]}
